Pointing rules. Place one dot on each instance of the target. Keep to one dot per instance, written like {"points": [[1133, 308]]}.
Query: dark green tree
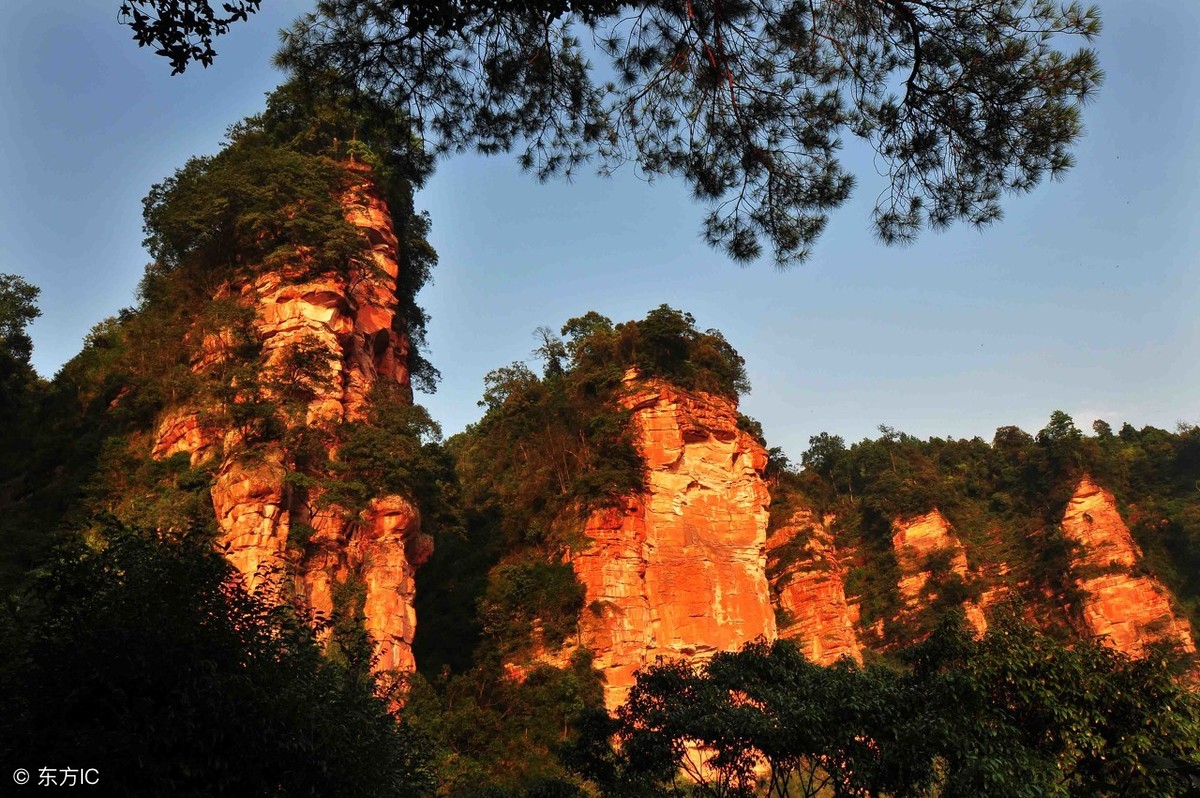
{"points": [[764, 717], [1020, 713], [18, 307], [825, 454], [747, 100], [22, 393], [498, 736], [1012, 713], [147, 659], [182, 30]]}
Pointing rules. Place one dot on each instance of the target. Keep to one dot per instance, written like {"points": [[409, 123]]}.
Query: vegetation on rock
{"points": [[549, 450], [1005, 500], [552, 448], [270, 200]]}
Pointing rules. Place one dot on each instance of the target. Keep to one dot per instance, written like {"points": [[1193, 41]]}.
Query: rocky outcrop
{"points": [[926, 547], [678, 572], [1126, 610], [329, 338], [807, 580]]}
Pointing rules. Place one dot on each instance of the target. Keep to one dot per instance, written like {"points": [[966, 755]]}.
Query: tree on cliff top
{"points": [[20, 393], [273, 192], [18, 308], [746, 100]]}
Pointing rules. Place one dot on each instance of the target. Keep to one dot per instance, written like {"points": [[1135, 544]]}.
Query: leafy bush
{"points": [[149, 661], [1012, 713], [496, 735], [532, 595]]}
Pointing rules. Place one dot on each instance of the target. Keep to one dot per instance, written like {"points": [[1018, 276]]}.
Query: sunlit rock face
{"points": [[345, 325], [808, 582], [1128, 611], [678, 572], [920, 541]]}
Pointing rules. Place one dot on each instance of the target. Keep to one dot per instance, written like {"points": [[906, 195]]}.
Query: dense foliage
{"points": [[1005, 500], [1012, 713], [145, 658], [747, 100], [500, 736], [18, 308]]}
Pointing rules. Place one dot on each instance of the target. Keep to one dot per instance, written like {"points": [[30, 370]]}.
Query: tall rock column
{"points": [[1127, 610], [343, 325], [678, 572]]}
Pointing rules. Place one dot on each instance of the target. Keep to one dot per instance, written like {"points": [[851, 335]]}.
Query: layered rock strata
{"points": [[344, 326], [679, 571], [809, 589], [919, 543], [1127, 611]]}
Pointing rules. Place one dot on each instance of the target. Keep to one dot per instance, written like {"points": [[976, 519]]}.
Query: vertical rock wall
{"points": [[916, 541], [678, 572], [809, 589], [673, 573], [1128, 610], [345, 321]]}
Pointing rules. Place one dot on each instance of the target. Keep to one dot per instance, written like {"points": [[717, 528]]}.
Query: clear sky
{"points": [[1083, 299]]}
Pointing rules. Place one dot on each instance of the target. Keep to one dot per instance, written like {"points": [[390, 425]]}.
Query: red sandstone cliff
{"points": [[678, 572], [1127, 610], [919, 541], [345, 322], [809, 589]]}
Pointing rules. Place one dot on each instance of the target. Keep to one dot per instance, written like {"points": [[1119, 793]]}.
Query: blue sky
{"points": [[1083, 299]]}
